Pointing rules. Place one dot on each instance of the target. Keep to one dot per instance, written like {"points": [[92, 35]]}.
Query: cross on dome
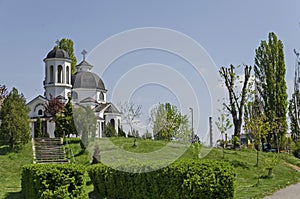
{"points": [[83, 54], [57, 42]]}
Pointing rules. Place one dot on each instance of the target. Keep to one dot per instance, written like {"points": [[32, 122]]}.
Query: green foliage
{"points": [[85, 122], [271, 85], [121, 133], [38, 132], [64, 124], [296, 150], [53, 181], [182, 179], [167, 121], [109, 130], [3, 93], [293, 105], [258, 127], [14, 127], [68, 46], [270, 160]]}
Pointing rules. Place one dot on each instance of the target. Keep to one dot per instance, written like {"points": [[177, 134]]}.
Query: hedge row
{"points": [[53, 181], [182, 179]]}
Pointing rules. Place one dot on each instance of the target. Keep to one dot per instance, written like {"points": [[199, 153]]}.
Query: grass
{"points": [[10, 170], [252, 181]]}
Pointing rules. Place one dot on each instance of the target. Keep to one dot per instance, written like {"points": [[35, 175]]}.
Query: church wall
{"points": [[57, 90], [84, 93]]}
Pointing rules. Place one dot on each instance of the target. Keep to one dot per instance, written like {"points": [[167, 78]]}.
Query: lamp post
{"points": [[192, 113]]}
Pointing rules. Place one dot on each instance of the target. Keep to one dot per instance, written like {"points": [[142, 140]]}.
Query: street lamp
{"points": [[192, 112]]}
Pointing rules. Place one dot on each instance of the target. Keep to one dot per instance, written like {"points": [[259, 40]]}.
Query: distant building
{"points": [[86, 88]]}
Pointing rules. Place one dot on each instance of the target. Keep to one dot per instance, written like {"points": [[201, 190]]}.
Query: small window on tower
{"points": [[40, 112], [68, 74], [101, 96], [59, 74]]}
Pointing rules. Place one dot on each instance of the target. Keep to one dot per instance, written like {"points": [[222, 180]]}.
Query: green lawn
{"points": [[251, 180], [10, 170]]}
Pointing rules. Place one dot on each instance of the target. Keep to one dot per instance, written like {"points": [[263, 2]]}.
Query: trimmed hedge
{"points": [[182, 179], [53, 181]]}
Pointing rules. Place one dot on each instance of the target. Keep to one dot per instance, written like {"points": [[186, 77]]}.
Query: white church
{"points": [[86, 88]]}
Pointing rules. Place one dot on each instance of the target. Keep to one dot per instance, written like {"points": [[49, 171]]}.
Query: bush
{"points": [[296, 150], [182, 179], [53, 181], [72, 140]]}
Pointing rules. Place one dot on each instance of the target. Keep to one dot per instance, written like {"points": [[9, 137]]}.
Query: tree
{"points": [[85, 121], [236, 100], [53, 107], [38, 132], [130, 113], [294, 125], [68, 46], [147, 135], [3, 93], [109, 130], [65, 121], [223, 124], [14, 127], [258, 127], [270, 72], [167, 121]]}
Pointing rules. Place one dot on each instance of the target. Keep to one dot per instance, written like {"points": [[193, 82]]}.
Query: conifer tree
{"points": [[14, 115]]}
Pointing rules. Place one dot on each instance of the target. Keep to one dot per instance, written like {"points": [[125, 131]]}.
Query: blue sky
{"points": [[229, 31]]}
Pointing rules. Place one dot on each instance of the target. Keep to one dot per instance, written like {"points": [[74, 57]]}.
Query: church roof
{"points": [[108, 108], [58, 53], [86, 79], [89, 99], [38, 98]]}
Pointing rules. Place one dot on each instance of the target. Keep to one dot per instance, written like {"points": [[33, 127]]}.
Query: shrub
{"points": [[72, 140], [53, 181], [182, 179]]}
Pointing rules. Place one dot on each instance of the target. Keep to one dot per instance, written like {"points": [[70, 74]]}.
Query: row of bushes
{"points": [[182, 179], [53, 181]]}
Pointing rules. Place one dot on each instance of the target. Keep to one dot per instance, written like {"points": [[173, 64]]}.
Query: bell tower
{"points": [[57, 81]]}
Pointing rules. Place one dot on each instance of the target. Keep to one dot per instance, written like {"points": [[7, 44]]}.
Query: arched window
{"points": [[51, 75], [68, 75], [40, 112], [74, 95], [112, 122], [59, 74], [101, 96]]}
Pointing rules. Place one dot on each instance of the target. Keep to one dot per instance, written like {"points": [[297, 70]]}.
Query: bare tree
{"points": [[236, 99], [130, 113]]}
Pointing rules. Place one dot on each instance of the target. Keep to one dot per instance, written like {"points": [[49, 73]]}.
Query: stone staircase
{"points": [[48, 150]]}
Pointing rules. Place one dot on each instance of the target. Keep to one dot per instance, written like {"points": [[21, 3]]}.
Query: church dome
{"points": [[58, 53], [86, 79]]}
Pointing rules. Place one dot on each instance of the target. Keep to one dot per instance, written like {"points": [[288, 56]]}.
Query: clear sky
{"points": [[229, 31]]}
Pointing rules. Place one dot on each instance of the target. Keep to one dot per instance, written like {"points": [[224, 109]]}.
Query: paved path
{"points": [[290, 192]]}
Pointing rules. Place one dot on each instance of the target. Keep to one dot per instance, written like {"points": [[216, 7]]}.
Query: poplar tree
{"points": [[68, 46], [269, 70]]}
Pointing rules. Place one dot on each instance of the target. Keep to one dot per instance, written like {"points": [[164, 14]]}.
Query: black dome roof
{"points": [[58, 53], [85, 79]]}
